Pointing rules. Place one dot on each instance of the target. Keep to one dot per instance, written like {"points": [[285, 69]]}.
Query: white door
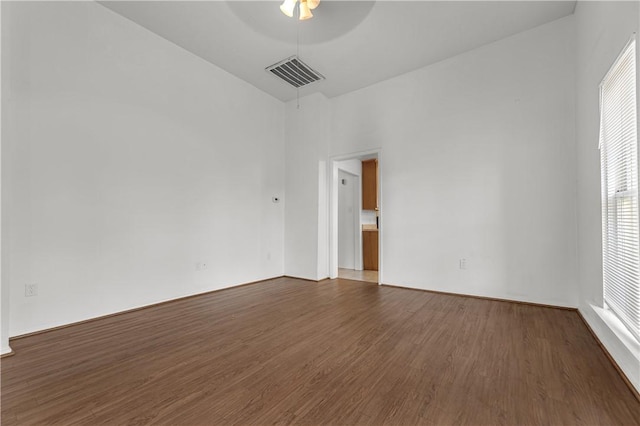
{"points": [[347, 193]]}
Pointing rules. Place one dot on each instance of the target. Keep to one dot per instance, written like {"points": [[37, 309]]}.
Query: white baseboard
{"points": [[622, 346]]}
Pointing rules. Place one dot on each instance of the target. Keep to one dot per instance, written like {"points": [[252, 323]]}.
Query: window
{"points": [[619, 161]]}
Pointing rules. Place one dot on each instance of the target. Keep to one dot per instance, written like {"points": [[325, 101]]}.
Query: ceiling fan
{"points": [[304, 10]]}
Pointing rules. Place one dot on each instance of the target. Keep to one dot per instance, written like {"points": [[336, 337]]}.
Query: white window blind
{"points": [[619, 161]]}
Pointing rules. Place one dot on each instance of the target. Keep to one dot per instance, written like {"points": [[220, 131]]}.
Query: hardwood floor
{"points": [[335, 352], [352, 274]]}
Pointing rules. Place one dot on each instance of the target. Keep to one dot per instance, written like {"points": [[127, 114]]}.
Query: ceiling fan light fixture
{"points": [[287, 7], [313, 4], [305, 13]]}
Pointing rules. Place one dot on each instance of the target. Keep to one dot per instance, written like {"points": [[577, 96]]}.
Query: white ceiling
{"points": [[352, 43]]}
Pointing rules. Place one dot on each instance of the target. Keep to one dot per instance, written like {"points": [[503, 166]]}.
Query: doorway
{"points": [[349, 257], [355, 249]]}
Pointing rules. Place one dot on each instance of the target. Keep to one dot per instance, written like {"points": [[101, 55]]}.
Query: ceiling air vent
{"points": [[295, 72]]}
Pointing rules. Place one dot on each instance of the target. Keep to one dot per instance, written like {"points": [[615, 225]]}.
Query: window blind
{"points": [[619, 161]]}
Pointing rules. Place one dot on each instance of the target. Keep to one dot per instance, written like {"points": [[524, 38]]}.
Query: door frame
{"points": [[333, 209]]}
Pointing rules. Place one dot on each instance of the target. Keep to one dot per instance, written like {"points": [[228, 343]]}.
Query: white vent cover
{"points": [[295, 72]]}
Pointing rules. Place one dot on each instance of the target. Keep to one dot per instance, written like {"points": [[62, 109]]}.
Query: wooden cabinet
{"points": [[370, 184], [370, 250], [370, 202]]}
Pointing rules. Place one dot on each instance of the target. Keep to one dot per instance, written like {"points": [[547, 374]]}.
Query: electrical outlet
{"points": [[30, 290], [204, 266], [198, 266], [463, 263]]}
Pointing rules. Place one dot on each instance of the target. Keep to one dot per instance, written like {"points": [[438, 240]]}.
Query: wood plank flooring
{"points": [[334, 352]]}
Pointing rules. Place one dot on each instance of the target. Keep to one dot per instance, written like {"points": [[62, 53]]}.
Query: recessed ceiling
{"points": [[352, 43], [337, 18]]}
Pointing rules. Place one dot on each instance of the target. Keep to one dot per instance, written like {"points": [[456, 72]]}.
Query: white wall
{"points": [[602, 30], [306, 228], [4, 281], [348, 223], [353, 166], [482, 146], [131, 160]]}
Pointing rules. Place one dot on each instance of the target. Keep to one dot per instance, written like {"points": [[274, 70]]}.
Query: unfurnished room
{"points": [[319, 212]]}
